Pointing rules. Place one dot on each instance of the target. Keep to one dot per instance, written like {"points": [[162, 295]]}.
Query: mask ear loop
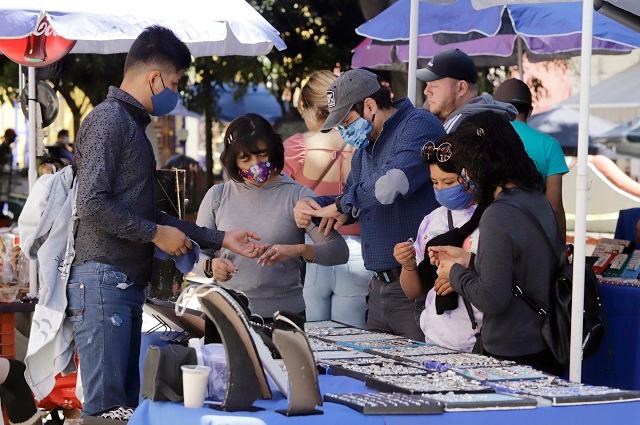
{"points": [[151, 85]]}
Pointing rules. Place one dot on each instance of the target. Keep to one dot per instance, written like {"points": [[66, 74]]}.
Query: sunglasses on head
{"points": [[442, 153]]}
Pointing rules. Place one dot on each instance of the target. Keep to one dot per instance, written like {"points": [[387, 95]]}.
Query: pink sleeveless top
{"points": [[295, 153]]}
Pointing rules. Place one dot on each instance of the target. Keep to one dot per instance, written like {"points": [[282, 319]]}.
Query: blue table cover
{"points": [[617, 362], [159, 413]]}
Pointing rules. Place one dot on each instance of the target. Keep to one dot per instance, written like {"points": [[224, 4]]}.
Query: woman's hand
{"points": [[442, 286], [304, 211], [437, 254], [222, 269], [405, 254], [277, 253]]}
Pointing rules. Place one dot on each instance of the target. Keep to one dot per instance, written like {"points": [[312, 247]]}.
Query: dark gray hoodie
{"points": [[482, 103]]}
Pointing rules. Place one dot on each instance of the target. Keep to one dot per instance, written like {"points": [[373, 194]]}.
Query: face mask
{"points": [[258, 173], [357, 133], [454, 198], [163, 102]]}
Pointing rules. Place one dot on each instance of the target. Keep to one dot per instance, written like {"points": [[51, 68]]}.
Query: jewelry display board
{"points": [[561, 392], [386, 403], [442, 362], [433, 382], [481, 401], [501, 373], [386, 368]]}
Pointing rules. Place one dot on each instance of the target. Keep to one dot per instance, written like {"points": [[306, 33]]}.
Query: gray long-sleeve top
{"points": [[510, 250], [269, 212], [116, 202]]}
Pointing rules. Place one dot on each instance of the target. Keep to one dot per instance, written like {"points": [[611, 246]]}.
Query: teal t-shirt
{"points": [[543, 149]]}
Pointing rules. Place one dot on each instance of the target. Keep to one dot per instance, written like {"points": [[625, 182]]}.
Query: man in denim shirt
{"points": [[119, 224], [388, 190]]}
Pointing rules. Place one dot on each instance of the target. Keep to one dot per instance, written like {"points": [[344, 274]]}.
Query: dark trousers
{"points": [[389, 310], [543, 361]]}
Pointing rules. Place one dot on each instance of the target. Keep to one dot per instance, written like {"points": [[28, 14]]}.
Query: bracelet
{"points": [[410, 270], [208, 272]]}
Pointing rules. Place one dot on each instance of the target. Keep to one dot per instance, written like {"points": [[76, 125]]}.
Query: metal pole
{"points": [[577, 302], [520, 52], [33, 173], [413, 50]]}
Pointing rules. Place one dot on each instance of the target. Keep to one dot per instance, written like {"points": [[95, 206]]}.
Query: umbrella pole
{"points": [[520, 51], [33, 173], [413, 50], [580, 228]]}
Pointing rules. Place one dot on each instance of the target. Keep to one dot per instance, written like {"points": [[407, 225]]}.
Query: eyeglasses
{"points": [[442, 153]]}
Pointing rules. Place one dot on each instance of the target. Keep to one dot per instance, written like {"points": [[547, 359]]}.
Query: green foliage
{"points": [[8, 80]]}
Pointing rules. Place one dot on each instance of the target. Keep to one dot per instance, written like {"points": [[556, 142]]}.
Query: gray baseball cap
{"points": [[350, 88]]}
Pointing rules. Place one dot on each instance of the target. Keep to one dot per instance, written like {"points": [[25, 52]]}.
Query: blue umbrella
{"points": [[532, 20], [257, 99]]}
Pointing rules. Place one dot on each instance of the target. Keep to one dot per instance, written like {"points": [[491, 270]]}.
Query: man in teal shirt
{"points": [[542, 148]]}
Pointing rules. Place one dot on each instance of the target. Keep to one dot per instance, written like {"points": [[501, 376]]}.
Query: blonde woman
{"points": [[322, 161]]}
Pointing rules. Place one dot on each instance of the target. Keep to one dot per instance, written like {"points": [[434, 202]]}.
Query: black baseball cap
{"points": [[452, 63], [514, 91]]}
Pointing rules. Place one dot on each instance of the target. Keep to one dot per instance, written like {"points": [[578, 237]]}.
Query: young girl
{"points": [[445, 321], [259, 195]]}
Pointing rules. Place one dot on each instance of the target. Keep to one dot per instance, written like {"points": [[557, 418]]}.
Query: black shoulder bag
{"points": [[556, 328]]}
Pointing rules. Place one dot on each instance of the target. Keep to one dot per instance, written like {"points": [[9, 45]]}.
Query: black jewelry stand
{"points": [[246, 378], [304, 391]]}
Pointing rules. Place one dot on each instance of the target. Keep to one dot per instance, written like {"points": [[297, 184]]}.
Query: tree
{"points": [[85, 79]]}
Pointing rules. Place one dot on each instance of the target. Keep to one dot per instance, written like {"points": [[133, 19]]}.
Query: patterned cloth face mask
{"points": [[258, 173]]}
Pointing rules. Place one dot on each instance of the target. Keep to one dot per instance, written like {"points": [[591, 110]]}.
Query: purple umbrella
{"points": [[500, 49]]}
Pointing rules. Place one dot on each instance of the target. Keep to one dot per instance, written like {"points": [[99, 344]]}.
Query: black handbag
{"points": [[162, 373], [556, 328]]}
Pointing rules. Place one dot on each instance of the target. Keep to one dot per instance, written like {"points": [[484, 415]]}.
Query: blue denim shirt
{"points": [[389, 190], [116, 202]]}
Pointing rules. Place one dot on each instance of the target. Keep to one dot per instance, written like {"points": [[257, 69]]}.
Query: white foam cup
{"points": [[194, 384]]}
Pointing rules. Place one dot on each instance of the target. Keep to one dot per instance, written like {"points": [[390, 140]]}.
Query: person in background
{"points": [[6, 148], [258, 193], [542, 148], [494, 165], [322, 162], [445, 320], [388, 190], [452, 90], [60, 149]]}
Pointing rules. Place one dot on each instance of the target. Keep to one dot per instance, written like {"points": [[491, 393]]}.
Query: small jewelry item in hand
{"points": [[407, 268]]}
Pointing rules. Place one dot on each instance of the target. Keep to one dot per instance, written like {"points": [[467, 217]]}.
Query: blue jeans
{"points": [[105, 308], [338, 292]]}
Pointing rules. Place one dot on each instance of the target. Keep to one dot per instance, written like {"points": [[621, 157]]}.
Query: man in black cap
{"points": [[388, 190], [452, 92], [542, 148]]}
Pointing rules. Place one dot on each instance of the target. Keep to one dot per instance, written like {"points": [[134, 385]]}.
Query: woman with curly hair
{"points": [[494, 165]]}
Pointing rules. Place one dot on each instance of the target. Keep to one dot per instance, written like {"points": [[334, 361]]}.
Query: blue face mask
{"points": [[454, 198], [356, 134], [163, 102]]}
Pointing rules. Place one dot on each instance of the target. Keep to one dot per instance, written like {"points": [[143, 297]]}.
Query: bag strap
{"points": [[450, 219], [538, 225], [518, 292], [472, 317], [328, 167]]}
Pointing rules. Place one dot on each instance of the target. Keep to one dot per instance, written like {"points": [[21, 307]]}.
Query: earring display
{"points": [[319, 345], [504, 373], [386, 403], [481, 401], [434, 382], [324, 332], [309, 326], [368, 337], [340, 354], [442, 362], [404, 352], [387, 344], [364, 371], [561, 392]]}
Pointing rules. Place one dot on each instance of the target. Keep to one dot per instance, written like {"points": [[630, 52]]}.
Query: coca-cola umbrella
{"points": [[38, 32]]}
